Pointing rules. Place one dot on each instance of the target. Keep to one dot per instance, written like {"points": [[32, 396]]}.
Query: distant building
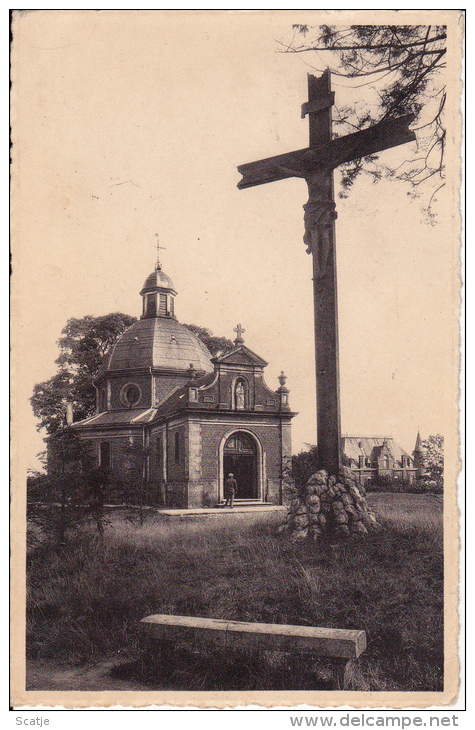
{"points": [[380, 456], [418, 455], [192, 418]]}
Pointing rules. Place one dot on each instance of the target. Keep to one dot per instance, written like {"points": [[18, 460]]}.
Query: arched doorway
{"points": [[240, 459]]}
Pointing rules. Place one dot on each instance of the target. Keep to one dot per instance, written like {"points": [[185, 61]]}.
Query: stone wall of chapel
{"points": [[164, 384], [227, 379], [120, 457], [257, 395], [118, 443], [177, 454], [158, 454], [118, 382], [177, 494]]}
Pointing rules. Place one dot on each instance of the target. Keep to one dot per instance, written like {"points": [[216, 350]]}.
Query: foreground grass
{"points": [[84, 604]]}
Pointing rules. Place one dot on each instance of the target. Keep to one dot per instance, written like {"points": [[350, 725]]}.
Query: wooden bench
{"points": [[340, 645]]}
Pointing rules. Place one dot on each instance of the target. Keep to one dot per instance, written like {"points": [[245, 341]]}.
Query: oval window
{"points": [[130, 395]]}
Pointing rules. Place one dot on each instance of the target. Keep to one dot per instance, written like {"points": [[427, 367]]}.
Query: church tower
{"points": [[153, 356], [418, 456]]}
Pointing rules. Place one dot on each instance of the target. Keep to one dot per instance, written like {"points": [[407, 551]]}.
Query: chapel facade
{"points": [[193, 418]]}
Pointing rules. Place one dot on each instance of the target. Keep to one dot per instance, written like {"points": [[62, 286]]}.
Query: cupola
{"points": [[158, 295]]}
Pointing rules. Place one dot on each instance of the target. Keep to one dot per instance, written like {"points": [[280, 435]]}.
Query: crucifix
{"points": [[315, 164]]}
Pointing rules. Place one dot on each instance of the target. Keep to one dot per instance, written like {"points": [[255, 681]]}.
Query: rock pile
{"points": [[330, 506]]}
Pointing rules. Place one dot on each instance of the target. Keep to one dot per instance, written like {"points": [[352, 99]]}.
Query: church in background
{"points": [[190, 418], [372, 457]]}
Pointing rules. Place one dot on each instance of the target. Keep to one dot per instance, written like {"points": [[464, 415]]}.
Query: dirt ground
{"points": [[49, 676]]}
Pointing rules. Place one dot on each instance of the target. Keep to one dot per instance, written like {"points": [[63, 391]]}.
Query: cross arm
{"points": [[300, 163]]}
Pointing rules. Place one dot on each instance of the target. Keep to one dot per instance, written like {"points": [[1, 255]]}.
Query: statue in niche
{"points": [[239, 393]]}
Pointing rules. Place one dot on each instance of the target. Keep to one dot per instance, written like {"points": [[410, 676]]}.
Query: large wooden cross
{"points": [[315, 164]]}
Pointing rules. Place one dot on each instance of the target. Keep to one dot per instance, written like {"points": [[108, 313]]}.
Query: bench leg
{"points": [[340, 673], [160, 654], [167, 654]]}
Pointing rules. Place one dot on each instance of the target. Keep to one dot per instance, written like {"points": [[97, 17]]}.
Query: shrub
{"points": [[304, 465], [386, 483]]}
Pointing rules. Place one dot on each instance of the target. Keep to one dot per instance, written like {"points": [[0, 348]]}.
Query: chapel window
{"points": [[130, 395], [177, 447], [151, 305], [162, 309], [241, 443], [103, 400]]}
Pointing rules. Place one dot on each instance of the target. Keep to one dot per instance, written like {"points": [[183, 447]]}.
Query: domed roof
{"points": [[157, 280], [161, 343]]}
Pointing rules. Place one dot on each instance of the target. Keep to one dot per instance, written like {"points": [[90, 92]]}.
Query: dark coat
{"points": [[230, 486]]}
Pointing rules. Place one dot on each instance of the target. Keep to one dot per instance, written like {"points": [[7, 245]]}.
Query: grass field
{"points": [[84, 604]]}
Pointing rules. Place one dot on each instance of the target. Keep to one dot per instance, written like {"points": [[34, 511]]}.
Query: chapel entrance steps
{"points": [[246, 503], [256, 510]]}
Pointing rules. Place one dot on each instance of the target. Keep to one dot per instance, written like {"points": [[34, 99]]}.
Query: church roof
{"points": [[418, 446], [131, 417], [161, 343], [240, 355], [370, 447]]}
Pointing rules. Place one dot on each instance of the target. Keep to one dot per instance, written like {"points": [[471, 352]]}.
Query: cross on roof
{"points": [[239, 331], [158, 265]]}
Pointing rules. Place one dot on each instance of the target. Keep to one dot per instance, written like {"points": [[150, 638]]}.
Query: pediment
{"points": [[241, 355]]}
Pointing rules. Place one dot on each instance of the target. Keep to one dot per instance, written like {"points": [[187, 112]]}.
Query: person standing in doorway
{"points": [[230, 490]]}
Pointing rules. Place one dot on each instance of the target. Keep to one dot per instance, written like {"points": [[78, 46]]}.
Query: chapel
{"points": [[192, 417]]}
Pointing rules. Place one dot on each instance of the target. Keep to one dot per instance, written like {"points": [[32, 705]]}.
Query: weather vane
{"points": [[158, 265]]}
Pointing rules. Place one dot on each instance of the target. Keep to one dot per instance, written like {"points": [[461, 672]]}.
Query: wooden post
{"points": [[319, 237]]}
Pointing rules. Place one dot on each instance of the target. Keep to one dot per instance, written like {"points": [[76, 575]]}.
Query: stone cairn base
{"points": [[330, 507]]}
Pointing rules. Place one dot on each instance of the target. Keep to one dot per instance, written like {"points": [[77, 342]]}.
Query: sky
{"points": [[127, 124]]}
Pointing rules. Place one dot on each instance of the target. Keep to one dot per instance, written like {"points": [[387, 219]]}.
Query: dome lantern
{"points": [[158, 295]]}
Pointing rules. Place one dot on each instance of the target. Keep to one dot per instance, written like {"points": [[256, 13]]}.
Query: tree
{"points": [[434, 458], [216, 345], [400, 69], [83, 344], [133, 481], [69, 495]]}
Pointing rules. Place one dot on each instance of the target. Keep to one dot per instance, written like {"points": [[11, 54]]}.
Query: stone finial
{"points": [[239, 331], [191, 372], [283, 392]]}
